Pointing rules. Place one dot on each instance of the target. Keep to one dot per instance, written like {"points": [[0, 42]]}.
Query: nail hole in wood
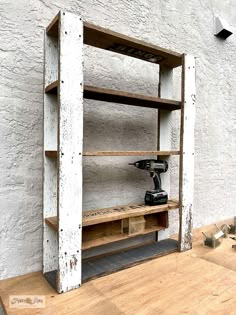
{"points": [[66, 32]]}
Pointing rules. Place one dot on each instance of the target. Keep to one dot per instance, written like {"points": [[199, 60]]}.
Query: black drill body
{"points": [[157, 196]]}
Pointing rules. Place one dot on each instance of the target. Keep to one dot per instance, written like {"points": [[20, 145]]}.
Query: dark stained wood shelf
{"points": [[101, 266], [97, 216], [120, 97], [109, 40], [53, 154]]}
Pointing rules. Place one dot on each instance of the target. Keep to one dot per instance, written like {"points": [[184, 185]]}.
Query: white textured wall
{"points": [[178, 25]]}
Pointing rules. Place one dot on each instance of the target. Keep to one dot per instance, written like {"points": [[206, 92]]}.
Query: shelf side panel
{"points": [[165, 129], [50, 122], [51, 60], [187, 153], [70, 151], [50, 243]]}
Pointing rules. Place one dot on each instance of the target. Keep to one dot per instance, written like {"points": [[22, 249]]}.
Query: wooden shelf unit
{"points": [[64, 219]]}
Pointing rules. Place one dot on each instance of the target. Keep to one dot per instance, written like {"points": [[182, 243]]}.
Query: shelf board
{"points": [[109, 40], [53, 154], [92, 217], [52, 87], [116, 237], [121, 97], [52, 222], [101, 266]]}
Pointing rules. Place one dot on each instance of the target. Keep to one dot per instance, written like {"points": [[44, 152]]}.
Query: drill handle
{"points": [[157, 181]]}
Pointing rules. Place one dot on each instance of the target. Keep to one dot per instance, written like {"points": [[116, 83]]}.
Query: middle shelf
{"points": [[121, 97]]}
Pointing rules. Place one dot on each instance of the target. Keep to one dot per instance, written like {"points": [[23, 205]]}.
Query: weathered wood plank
{"points": [[121, 212], [70, 151], [187, 153], [91, 217], [53, 27], [53, 154], [119, 43], [106, 39], [121, 97], [165, 129], [50, 243], [115, 238], [98, 267]]}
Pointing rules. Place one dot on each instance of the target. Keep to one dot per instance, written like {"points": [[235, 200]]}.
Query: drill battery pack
{"points": [[155, 197]]}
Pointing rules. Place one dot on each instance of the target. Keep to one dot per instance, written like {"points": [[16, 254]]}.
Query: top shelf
{"points": [[105, 39]]}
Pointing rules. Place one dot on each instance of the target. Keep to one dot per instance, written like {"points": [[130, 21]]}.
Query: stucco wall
{"points": [[179, 25]]}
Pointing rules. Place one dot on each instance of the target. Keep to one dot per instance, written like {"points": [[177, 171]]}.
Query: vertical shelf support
{"points": [[50, 241], [187, 152], [165, 128], [70, 145]]}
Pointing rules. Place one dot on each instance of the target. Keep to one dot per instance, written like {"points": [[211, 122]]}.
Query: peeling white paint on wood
{"points": [[187, 160], [50, 122], [51, 59], [165, 130], [70, 145], [50, 242]]}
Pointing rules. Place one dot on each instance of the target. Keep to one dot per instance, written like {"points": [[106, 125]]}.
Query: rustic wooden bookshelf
{"points": [[69, 232]]}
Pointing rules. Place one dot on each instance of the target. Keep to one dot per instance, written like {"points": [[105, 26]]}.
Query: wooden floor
{"points": [[200, 281]]}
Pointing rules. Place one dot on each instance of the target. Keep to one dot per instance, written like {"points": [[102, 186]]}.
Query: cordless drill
{"points": [[155, 167]]}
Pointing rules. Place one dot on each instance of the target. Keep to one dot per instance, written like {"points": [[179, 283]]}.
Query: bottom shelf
{"points": [[98, 267]]}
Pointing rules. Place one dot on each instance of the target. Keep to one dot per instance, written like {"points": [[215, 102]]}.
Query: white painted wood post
{"points": [[165, 129], [50, 242], [187, 153], [70, 146]]}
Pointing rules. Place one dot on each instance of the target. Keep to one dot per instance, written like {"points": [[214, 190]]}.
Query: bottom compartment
{"points": [[97, 267], [113, 231]]}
